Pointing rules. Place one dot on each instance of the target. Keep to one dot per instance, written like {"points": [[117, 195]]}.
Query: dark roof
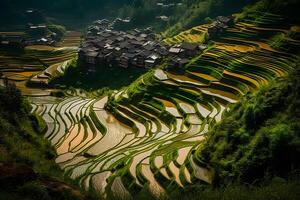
{"points": [[109, 54], [100, 37], [123, 44], [222, 25], [137, 30], [189, 46], [119, 38], [148, 30], [149, 47], [105, 34], [128, 55], [184, 61], [145, 53], [99, 44], [202, 46], [180, 61], [162, 51], [109, 41], [135, 42], [175, 50], [129, 36], [213, 25], [224, 19], [90, 37], [132, 32], [140, 39], [100, 55], [90, 48], [154, 56], [12, 38], [92, 54], [143, 35], [94, 28], [136, 50], [131, 49]]}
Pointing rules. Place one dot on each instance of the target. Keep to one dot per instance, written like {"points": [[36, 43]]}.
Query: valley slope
{"points": [[228, 117], [152, 134]]}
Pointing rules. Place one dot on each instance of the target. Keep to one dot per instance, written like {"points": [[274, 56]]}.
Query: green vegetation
{"points": [[75, 14], [287, 8], [113, 77], [197, 12], [163, 136], [58, 29], [27, 166], [257, 136], [37, 64], [276, 188], [149, 136], [284, 41]]}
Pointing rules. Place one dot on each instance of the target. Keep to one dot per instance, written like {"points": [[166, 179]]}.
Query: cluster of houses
{"points": [[168, 5], [164, 5], [40, 35], [106, 24], [36, 34], [139, 48], [12, 41], [219, 25], [163, 18], [37, 31]]}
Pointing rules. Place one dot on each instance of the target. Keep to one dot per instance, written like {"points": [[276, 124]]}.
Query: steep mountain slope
{"points": [[164, 133], [259, 135], [143, 13], [27, 167], [148, 136]]}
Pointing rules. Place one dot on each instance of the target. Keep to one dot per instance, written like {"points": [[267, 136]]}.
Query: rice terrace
{"points": [[174, 111]]}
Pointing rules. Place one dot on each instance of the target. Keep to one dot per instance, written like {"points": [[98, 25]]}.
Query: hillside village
{"points": [[156, 100], [164, 5], [33, 33], [103, 45]]}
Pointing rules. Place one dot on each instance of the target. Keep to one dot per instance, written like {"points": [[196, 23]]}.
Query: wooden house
{"points": [[175, 50], [190, 49], [91, 57], [178, 62], [152, 60], [12, 42], [126, 59]]}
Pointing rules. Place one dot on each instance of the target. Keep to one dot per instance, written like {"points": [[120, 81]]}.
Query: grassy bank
{"points": [[277, 188], [27, 166], [258, 136], [105, 77]]}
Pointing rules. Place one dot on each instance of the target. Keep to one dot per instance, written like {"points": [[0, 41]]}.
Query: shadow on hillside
{"points": [[105, 77]]}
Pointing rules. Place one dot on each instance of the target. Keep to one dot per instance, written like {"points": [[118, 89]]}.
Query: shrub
{"points": [[34, 191]]}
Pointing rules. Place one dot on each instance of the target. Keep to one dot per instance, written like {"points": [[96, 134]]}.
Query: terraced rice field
{"points": [[193, 35], [151, 139], [38, 61], [72, 39]]}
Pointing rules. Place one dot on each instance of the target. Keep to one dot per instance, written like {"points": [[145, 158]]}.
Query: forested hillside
{"points": [[254, 151], [77, 12], [181, 13], [27, 166], [258, 136], [219, 122]]}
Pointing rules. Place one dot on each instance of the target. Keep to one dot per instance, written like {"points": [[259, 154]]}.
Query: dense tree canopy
{"points": [[143, 12]]}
